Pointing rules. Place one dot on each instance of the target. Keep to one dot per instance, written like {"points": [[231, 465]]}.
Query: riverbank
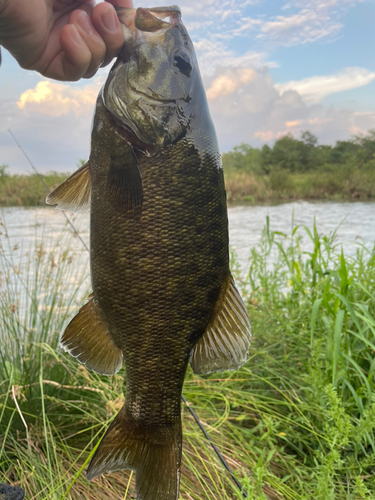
{"points": [[27, 190], [296, 422], [338, 183]]}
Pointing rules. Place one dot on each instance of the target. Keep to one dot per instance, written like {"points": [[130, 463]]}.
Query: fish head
{"points": [[150, 87]]}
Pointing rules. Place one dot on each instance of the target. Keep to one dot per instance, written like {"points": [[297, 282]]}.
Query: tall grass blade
{"points": [[336, 343]]}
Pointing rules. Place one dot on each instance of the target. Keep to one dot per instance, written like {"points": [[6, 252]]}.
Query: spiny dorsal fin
{"points": [[74, 194], [88, 339], [226, 342]]}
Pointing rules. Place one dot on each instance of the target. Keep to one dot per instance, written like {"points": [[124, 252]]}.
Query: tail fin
{"points": [[155, 456]]}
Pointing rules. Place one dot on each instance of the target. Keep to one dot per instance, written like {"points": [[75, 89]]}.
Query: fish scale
{"points": [[162, 294], [165, 300]]}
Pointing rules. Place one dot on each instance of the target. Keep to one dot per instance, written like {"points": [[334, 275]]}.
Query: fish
{"points": [[163, 294]]}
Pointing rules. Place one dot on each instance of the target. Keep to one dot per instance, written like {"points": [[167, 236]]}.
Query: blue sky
{"points": [[270, 67]]}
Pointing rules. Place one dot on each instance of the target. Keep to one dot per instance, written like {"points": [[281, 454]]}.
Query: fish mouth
{"points": [[148, 20], [154, 19]]}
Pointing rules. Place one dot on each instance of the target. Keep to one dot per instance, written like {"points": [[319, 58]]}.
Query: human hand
{"points": [[61, 39]]}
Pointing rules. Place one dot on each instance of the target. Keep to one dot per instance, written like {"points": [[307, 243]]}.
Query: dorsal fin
{"points": [[74, 194], [226, 342]]}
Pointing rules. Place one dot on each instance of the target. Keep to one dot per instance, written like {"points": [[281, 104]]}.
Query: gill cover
{"points": [[149, 87]]}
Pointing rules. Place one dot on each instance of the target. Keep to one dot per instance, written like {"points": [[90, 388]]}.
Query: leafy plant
{"points": [[296, 422]]}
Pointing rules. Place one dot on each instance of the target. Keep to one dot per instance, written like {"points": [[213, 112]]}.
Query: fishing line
{"points": [[195, 416], [47, 189], [221, 458]]}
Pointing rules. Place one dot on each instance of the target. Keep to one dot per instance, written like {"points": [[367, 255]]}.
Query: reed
{"points": [[296, 422]]}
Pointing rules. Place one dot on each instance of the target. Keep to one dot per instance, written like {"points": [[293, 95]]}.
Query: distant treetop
{"points": [[301, 155]]}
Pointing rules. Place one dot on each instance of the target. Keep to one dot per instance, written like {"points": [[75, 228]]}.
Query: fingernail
{"points": [[75, 35], [85, 23], [109, 19]]}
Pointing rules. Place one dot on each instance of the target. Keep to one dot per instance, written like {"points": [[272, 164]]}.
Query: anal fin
{"points": [[226, 342], [74, 194], [88, 339]]}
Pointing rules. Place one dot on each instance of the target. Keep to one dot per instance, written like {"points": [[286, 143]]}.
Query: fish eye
{"points": [[183, 62]]}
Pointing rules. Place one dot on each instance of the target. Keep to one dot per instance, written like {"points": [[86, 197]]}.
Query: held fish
{"points": [[163, 294]]}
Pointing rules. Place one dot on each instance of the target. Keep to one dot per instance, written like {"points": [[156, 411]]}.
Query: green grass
{"points": [[296, 422], [26, 189], [331, 182]]}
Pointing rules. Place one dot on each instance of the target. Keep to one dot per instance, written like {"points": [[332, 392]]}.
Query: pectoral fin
{"points": [[74, 194], [125, 181], [88, 339], [226, 342]]}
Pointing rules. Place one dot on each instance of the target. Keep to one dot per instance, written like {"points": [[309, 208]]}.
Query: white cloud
{"points": [[213, 54], [315, 88], [364, 113], [256, 112], [305, 123], [57, 99], [247, 24], [308, 25], [265, 135], [324, 4], [357, 131], [306, 21], [304, 27], [52, 121], [196, 25], [230, 82]]}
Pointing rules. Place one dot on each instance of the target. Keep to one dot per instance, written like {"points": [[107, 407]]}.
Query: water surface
{"points": [[356, 223]]}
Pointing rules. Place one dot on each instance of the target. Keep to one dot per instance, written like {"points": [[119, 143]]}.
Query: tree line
{"points": [[301, 155], [293, 169]]}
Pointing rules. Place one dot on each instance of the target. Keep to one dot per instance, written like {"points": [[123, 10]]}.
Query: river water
{"points": [[356, 223]]}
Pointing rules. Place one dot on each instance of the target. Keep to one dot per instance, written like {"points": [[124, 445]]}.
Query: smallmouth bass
{"points": [[162, 294]]}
